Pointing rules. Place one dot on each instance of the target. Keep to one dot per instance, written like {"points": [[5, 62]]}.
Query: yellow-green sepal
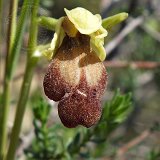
{"points": [[85, 22], [110, 22], [97, 42], [56, 41], [97, 47]]}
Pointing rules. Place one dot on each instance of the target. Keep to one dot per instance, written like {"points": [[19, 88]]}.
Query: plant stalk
{"points": [[12, 23], [1, 22], [7, 83], [20, 111], [31, 63], [1, 15], [17, 43]]}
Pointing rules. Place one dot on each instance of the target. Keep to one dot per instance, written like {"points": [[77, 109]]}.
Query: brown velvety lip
{"points": [[77, 78]]}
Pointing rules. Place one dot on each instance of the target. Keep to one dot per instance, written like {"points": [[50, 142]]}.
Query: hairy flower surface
{"points": [[76, 76]]}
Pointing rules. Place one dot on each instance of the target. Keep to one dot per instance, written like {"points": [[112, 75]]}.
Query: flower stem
{"points": [[20, 111], [31, 63], [12, 24], [47, 22], [13, 50], [6, 94], [1, 12], [18, 38]]}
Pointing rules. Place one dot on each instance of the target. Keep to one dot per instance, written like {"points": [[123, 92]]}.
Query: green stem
{"points": [[20, 111], [1, 26], [12, 24], [1, 22], [31, 62], [1, 12], [15, 51], [3, 116], [5, 108]]}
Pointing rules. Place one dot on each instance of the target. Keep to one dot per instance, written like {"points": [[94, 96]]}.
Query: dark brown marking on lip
{"points": [[81, 107], [54, 86]]}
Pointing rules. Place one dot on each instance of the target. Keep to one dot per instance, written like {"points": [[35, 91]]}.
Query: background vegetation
{"points": [[130, 125]]}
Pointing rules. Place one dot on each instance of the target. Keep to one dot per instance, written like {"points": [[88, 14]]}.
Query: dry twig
{"points": [[132, 65], [132, 143], [113, 64], [133, 24]]}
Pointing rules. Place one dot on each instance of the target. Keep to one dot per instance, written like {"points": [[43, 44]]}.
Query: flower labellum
{"points": [[76, 76]]}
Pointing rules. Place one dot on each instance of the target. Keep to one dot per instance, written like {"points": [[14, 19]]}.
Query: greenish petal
{"points": [[100, 33], [97, 42], [110, 22], [56, 41], [97, 47], [84, 21]]}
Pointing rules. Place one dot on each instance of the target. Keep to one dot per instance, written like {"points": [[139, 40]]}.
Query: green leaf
{"points": [[58, 142], [154, 154], [114, 113]]}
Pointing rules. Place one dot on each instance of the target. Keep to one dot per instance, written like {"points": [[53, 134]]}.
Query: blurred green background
{"points": [[141, 44]]}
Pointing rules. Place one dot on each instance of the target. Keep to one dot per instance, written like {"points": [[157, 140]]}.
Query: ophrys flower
{"points": [[76, 76]]}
